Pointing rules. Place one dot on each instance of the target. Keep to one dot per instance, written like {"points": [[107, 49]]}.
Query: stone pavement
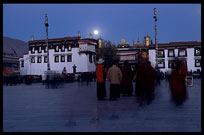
{"points": [[73, 108]]}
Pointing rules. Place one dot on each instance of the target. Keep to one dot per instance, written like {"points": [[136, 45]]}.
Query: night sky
{"points": [[176, 22]]}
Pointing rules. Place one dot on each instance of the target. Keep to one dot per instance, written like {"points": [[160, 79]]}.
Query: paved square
{"points": [[74, 108]]}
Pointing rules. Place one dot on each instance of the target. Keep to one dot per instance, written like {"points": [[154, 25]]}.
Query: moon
{"points": [[96, 32]]}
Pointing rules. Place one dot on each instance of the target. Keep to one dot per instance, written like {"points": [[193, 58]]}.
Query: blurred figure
{"points": [[158, 75], [101, 72], [177, 82], [126, 83], [114, 75], [145, 81]]}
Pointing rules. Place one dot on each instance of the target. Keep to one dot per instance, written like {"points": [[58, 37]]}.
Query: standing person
{"points": [[101, 72], [114, 75], [126, 83], [177, 82], [145, 81]]}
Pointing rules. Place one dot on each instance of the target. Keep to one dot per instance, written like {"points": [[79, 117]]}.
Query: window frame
{"points": [[63, 50], [68, 58], [169, 53], [32, 60], [45, 59], [39, 49], [56, 59], [196, 48], [163, 56], [62, 57], [179, 50], [56, 48], [197, 62], [163, 61], [33, 49], [69, 48], [39, 59]]}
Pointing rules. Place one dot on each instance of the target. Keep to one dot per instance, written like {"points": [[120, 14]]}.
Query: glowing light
{"points": [[96, 32]]}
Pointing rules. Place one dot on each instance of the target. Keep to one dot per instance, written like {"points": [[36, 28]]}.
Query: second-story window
{"points": [[33, 50], [171, 53], [63, 48], [56, 48], [69, 47], [182, 53], [39, 49], [197, 51], [161, 54]]}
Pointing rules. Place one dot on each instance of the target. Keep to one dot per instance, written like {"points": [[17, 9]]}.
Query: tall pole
{"points": [[46, 26], [156, 44]]}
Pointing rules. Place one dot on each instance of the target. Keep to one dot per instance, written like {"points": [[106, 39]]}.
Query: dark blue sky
{"points": [[176, 22]]}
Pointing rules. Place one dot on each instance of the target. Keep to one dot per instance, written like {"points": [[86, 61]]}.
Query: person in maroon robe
{"points": [[177, 82], [145, 81], [126, 82]]}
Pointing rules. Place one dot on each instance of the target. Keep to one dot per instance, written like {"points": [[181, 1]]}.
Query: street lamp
{"points": [[46, 25], [155, 18]]}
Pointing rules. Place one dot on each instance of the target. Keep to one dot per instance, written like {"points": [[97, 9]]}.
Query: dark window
{"points": [[56, 58], [33, 50], [69, 58], [32, 59], [45, 59], [45, 49], [182, 53], [62, 58], [161, 63], [197, 63], [56, 48], [171, 53], [39, 49], [63, 48], [197, 51], [22, 63], [69, 47], [90, 58], [39, 59], [161, 54]]}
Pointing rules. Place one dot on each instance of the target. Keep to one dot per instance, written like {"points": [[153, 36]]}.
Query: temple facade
{"points": [[189, 51], [77, 55]]}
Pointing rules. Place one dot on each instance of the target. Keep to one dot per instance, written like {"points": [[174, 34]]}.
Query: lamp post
{"points": [[155, 18], [46, 26]]}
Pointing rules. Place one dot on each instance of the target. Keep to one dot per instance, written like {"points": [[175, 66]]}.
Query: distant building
{"points": [[74, 53], [189, 51]]}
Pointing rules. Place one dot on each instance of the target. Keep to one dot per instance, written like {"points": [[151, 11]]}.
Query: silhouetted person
{"points": [[101, 80], [126, 82], [145, 81], [177, 83], [114, 75]]}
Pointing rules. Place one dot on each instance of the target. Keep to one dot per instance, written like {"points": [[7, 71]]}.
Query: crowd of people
{"points": [[146, 79]]}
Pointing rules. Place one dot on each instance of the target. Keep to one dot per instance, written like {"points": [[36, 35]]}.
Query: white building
{"points": [[75, 54], [189, 51]]}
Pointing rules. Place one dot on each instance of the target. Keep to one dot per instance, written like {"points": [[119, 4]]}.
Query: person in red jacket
{"points": [[101, 72], [177, 82]]}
